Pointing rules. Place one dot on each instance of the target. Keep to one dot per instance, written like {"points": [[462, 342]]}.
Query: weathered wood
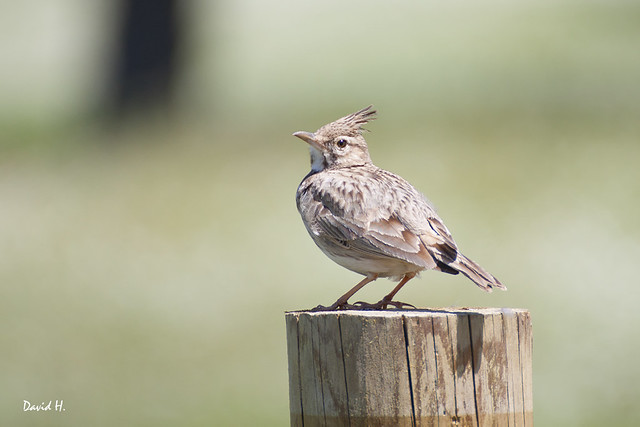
{"points": [[466, 367]]}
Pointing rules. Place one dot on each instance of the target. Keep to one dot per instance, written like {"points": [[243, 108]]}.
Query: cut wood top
{"points": [[417, 312]]}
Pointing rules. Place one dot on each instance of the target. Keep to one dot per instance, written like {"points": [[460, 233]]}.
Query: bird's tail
{"points": [[477, 274]]}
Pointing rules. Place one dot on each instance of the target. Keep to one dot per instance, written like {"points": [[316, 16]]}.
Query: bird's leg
{"points": [[388, 300], [400, 284], [342, 301]]}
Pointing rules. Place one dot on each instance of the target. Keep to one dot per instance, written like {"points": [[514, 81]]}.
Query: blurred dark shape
{"points": [[145, 57]]}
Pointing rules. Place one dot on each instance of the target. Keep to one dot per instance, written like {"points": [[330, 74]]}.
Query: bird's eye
{"points": [[341, 143]]}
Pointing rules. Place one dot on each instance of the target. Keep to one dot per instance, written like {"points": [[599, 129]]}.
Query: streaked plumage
{"points": [[372, 221]]}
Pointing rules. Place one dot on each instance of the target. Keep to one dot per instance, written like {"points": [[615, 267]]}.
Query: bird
{"points": [[372, 221]]}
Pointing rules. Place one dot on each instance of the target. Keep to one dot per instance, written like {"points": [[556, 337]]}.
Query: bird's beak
{"points": [[309, 138]]}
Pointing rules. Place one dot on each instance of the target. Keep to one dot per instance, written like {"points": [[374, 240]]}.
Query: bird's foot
{"points": [[324, 308], [401, 305], [338, 305], [383, 304]]}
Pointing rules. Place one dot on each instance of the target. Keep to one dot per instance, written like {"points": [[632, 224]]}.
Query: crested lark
{"points": [[372, 221]]}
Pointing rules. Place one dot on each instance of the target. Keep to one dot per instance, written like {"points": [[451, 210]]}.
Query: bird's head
{"points": [[340, 143]]}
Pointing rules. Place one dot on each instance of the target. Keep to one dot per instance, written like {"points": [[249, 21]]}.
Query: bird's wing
{"points": [[439, 241], [365, 221], [385, 237]]}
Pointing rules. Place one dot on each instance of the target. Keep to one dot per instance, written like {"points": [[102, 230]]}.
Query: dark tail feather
{"points": [[477, 274]]}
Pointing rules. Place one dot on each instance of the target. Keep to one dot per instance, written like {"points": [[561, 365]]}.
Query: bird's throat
{"points": [[318, 162]]}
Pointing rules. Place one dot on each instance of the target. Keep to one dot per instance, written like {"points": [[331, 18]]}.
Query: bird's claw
{"points": [[382, 305], [401, 305], [334, 307], [323, 308]]}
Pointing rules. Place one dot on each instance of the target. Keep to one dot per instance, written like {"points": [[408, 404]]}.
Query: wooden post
{"points": [[466, 367]]}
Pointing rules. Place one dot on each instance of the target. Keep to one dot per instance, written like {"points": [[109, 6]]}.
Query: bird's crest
{"points": [[350, 125]]}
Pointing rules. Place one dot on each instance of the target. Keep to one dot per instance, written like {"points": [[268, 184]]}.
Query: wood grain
{"points": [[465, 367]]}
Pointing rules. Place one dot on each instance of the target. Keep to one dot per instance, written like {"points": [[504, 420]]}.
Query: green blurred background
{"points": [[150, 245]]}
